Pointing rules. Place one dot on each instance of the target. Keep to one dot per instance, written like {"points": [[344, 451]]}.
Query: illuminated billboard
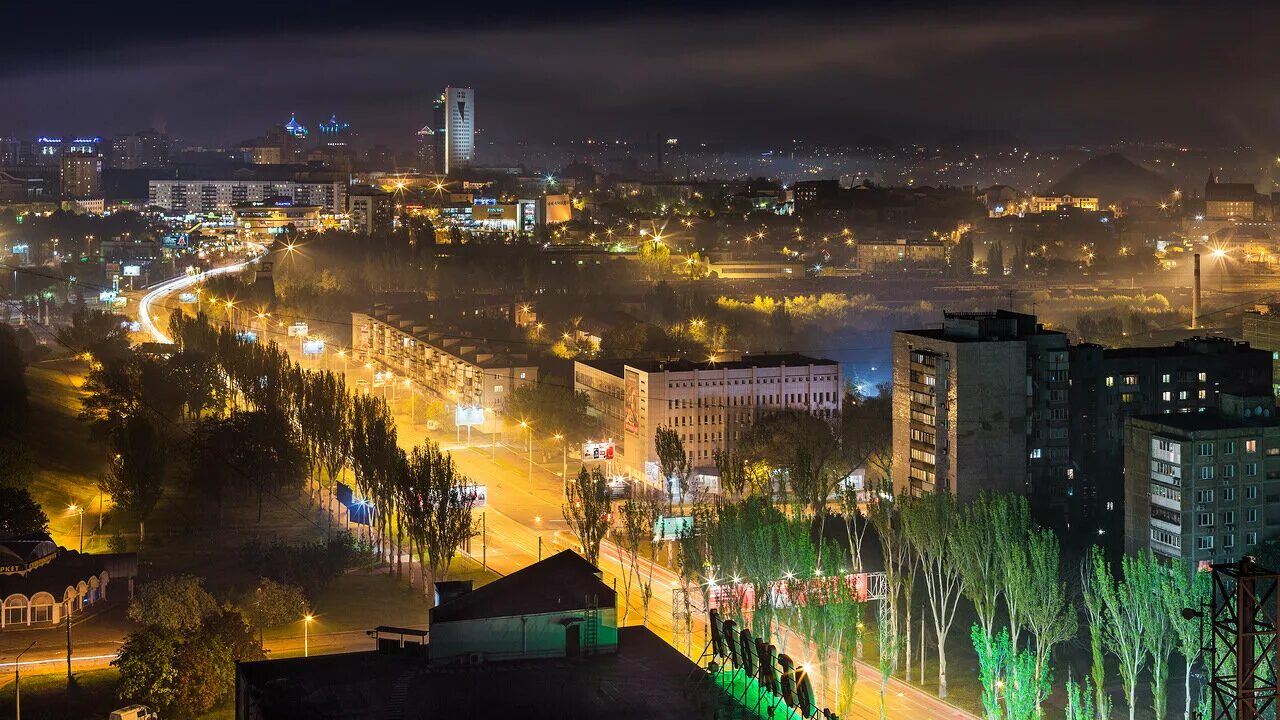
{"points": [[596, 451], [298, 329], [312, 347], [559, 209], [131, 271], [467, 416]]}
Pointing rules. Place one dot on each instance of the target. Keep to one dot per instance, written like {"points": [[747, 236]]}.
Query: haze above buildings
{"points": [[835, 74]]}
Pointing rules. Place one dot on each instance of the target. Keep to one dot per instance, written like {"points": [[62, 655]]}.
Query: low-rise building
{"points": [[441, 359], [1203, 486], [262, 220], [876, 255], [707, 403], [40, 583]]}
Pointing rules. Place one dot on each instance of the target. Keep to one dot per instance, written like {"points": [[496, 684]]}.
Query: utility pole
{"points": [[17, 682], [69, 645], [484, 543]]}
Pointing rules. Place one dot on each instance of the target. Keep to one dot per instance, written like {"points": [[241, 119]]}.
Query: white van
{"points": [[134, 712]]}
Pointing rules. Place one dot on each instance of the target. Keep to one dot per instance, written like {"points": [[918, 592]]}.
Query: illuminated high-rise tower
{"points": [[456, 116]]}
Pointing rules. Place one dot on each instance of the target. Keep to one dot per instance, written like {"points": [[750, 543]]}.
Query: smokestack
{"points": [[1195, 295]]}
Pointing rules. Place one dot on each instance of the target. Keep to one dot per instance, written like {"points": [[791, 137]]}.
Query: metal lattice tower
{"points": [[1241, 652]]}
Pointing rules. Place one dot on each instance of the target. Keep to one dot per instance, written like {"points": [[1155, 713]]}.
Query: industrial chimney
{"points": [[1195, 295]]}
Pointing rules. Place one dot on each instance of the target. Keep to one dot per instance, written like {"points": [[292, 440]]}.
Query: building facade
{"points": [[1261, 329], [1204, 486], [141, 150], [262, 220], [442, 360], [81, 176], [180, 197], [981, 404], [370, 209], [873, 255], [459, 106], [707, 403], [1111, 384]]}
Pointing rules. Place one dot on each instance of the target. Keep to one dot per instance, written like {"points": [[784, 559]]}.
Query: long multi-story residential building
{"points": [[202, 196], [1261, 329], [1203, 486], [707, 403], [982, 404], [1110, 384], [441, 359]]}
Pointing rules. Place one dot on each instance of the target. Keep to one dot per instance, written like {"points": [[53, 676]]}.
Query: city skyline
{"points": [[1097, 74]]}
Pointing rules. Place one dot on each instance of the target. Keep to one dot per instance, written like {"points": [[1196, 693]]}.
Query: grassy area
{"points": [[68, 463], [46, 696]]}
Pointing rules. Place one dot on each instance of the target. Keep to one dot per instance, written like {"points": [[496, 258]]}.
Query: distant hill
{"points": [[1113, 178]]}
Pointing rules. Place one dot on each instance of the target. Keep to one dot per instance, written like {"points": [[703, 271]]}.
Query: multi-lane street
{"points": [[522, 521]]}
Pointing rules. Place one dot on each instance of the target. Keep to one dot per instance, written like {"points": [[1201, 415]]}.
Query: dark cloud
{"points": [[753, 75]]}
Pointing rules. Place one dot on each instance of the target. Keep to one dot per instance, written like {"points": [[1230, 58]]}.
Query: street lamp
{"points": [[306, 638], [564, 462], [79, 511], [528, 436]]}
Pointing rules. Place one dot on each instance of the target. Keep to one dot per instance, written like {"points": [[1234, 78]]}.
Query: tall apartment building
{"points": [[1261, 329], [145, 149], [982, 404], [458, 151], [1203, 486], [201, 196], [443, 360], [1111, 384], [707, 403], [81, 176]]}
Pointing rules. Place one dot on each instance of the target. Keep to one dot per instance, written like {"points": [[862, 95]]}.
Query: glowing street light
{"points": [[79, 511], [306, 634]]}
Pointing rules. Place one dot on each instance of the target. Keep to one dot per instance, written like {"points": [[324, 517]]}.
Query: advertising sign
{"points": [[187, 298], [597, 451], [106, 296], [248, 336], [176, 240], [671, 528], [131, 271], [467, 416], [478, 494], [298, 329], [631, 402], [312, 347]]}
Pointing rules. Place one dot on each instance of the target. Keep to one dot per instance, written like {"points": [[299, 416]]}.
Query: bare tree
{"points": [[587, 511]]}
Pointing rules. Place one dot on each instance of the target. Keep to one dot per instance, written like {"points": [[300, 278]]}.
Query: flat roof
{"points": [[1208, 420], [747, 361]]}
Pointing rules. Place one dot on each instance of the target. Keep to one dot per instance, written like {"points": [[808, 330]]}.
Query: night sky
{"points": [[748, 73]]}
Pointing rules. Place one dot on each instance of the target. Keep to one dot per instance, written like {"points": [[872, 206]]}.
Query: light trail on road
{"points": [[170, 286]]}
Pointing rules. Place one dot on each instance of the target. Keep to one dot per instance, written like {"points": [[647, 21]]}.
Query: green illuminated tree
{"points": [[991, 662], [1186, 589], [1095, 609], [1013, 528], [1049, 615], [1125, 617], [978, 557], [175, 602], [928, 523], [273, 604]]}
